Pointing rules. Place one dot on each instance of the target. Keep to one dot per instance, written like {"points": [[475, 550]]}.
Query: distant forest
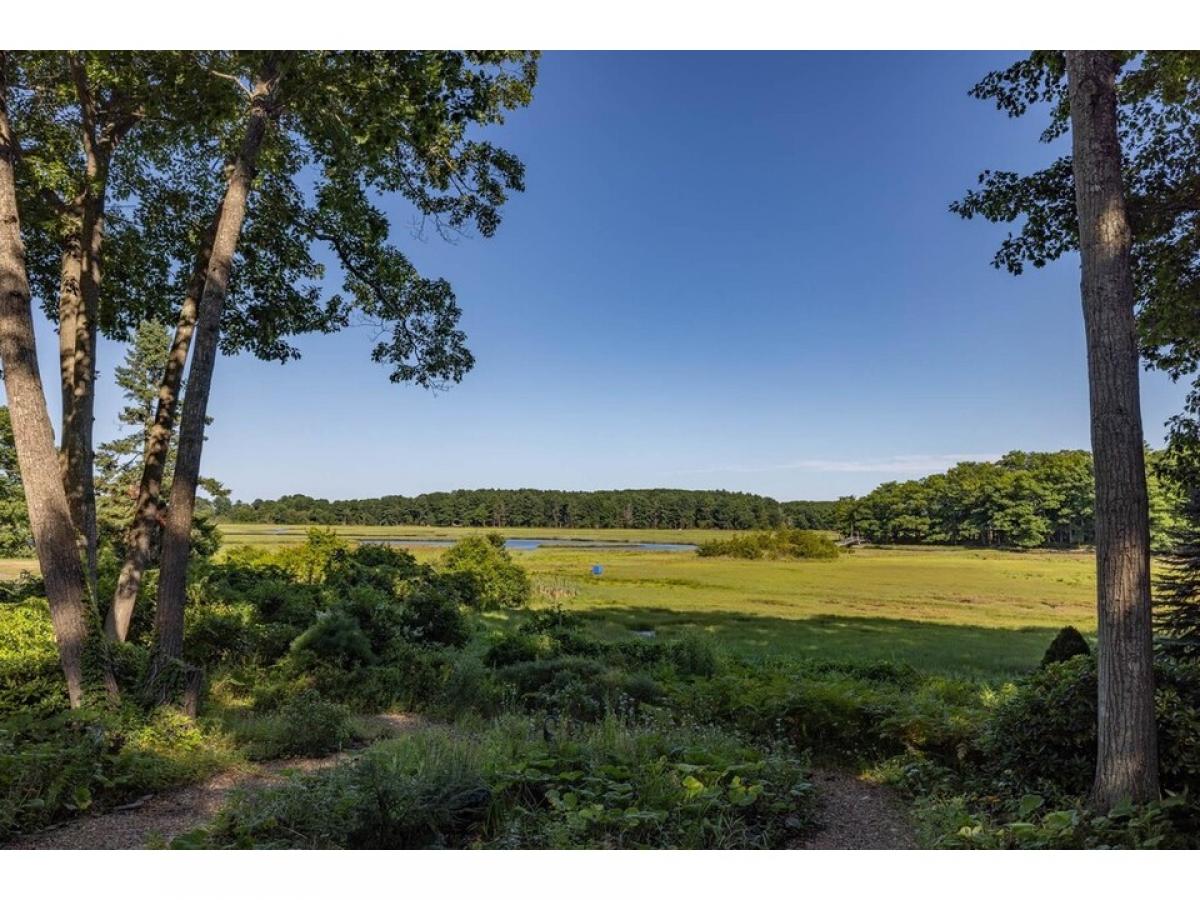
{"points": [[525, 508], [1021, 500]]}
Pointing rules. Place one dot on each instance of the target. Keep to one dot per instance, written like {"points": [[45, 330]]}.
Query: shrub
{"points": [[785, 543], [694, 654], [486, 574], [1045, 732], [387, 570], [430, 617], [304, 725], [57, 766], [508, 648], [410, 676], [336, 639], [1067, 643]]}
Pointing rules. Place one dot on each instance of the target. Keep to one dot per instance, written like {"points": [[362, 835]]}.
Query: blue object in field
{"points": [[597, 570]]}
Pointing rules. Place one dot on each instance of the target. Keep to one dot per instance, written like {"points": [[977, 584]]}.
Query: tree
{"points": [[1080, 203], [15, 539], [168, 621], [1158, 94], [76, 628], [119, 461], [1177, 589], [365, 123], [78, 113]]}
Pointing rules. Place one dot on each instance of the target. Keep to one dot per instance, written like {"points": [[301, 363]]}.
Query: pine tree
{"points": [[1177, 590], [119, 461]]}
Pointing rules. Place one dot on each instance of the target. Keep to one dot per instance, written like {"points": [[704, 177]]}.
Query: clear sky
{"points": [[727, 271]]}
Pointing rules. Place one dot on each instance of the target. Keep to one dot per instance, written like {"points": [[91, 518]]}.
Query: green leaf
{"points": [[1029, 804]]}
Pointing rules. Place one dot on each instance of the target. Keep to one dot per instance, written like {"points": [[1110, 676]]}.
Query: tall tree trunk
{"points": [[1127, 759], [49, 515], [79, 428], [176, 544], [139, 537], [69, 298]]}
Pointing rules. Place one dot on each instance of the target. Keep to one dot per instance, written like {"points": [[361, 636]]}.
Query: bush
{"points": [[1044, 733], [336, 639], [1067, 643], [508, 648], [410, 676], [694, 654], [785, 543], [304, 725], [485, 573], [430, 617], [387, 570]]}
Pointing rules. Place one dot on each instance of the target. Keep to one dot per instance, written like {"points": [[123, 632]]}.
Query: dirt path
{"points": [[176, 812], [857, 815]]}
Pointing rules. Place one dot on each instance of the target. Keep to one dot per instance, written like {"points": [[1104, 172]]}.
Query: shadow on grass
{"points": [[932, 647]]}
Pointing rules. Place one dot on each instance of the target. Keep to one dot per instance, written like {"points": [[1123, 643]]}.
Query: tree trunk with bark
{"points": [[73, 618], [79, 425], [1127, 753], [176, 544], [139, 537], [69, 298]]}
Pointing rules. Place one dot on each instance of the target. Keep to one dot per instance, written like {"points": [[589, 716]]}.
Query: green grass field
{"points": [[235, 535], [971, 612]]}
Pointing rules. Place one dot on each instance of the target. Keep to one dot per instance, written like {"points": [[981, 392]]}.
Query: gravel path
{"points": [[857, 815], [165, 816]]}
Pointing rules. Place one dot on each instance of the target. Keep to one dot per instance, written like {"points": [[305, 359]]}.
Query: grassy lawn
{"points": [[961, 611], [967, 612]]}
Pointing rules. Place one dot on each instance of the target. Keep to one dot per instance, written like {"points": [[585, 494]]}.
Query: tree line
{"points": [[530, 508], [1022, 500]]}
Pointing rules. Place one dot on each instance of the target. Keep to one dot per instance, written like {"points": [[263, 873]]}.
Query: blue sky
{"points": [[727, 271]]}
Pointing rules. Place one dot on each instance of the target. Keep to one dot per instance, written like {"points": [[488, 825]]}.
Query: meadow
{"points": [[978, 613], [949, 610]]}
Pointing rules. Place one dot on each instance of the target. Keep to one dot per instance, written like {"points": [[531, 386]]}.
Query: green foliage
{"points": [[30, 677], [695, 655], [1177, 587], [336, 639], [1157, 107], [15, 536], [1162, 825], [659, 508], [1067, 643], [303, 725], [310, 562], [609, 785], [1046, 730], [53, 767], [488, 577], [782, 544]]}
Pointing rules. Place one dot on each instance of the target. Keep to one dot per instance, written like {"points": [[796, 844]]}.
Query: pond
{"points": [[537, 543]]}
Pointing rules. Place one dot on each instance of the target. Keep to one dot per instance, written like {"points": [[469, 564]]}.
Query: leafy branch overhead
{"points": [[1159, 127]]}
